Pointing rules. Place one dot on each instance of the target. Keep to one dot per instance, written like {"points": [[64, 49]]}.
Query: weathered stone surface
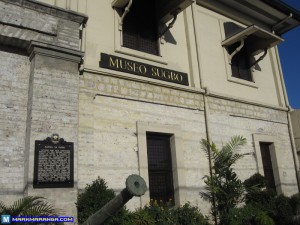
{"points": [[20, 25], [122, 88], [14, 73], [237, 108], [38, 93]]}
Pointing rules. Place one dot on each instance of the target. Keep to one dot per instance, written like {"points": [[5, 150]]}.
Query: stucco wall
{"points": [[216, 71], [194, 39]]}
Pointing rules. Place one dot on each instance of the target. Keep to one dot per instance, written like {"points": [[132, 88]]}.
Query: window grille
{"points": [[240, 63], [160, 167], [140, 27], [267, 164]]}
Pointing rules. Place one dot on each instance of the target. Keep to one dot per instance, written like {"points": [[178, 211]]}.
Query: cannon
{"points": [[135, 186]]}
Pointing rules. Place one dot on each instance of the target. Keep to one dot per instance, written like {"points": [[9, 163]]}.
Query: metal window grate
{"points": [[140, 28], [240, 63], [160, 167], [267, 164]]}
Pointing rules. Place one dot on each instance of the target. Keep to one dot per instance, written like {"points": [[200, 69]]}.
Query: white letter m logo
{"points": [[5, 219]]}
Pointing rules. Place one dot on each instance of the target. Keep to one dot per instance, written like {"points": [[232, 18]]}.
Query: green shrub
{"points": [[249, 215], [256, 180], [189, 215], [295, 203], [281, 208], [94, 197], [97, 195], [258, 194], [159, 213], [284, 211], [139, 217]]}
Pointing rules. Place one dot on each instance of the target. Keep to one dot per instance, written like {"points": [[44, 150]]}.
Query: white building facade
{"points": [[136, 95]]}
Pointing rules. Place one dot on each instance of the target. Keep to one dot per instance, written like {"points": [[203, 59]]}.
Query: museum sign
{"points": [[142, 69]]}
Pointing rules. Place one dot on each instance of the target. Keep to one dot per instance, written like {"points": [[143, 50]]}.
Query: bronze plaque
{"points": [[53, 164]]}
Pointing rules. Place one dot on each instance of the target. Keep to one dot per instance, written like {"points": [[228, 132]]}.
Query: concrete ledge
{"points": [[54, 51], [51, 10]]}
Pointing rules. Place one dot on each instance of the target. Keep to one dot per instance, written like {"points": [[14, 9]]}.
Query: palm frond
{"points": [[235, 158], [210, 149], [42, 209], [3, 208], [32, 205], [235, 143], [22, 204], [205, 145], [223, 185]]}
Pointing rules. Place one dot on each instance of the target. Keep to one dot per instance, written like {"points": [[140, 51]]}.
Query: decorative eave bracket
{"points": [[126, 11], [170, 25], [236, 50], [255, 39]]}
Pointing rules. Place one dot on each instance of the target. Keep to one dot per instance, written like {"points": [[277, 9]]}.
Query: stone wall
{"points": [[14, 74], [295, 117], [108, 142], [110, 107], [40, 57], [229, 118], [24, 21], [53, 109], [101, 111]]}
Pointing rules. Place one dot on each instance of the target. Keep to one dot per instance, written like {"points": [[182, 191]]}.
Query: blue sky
{"points": [[289, 52]]}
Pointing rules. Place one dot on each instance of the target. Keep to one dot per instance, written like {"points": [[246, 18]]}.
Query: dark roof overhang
{"points": [[257, 38], [165, 9], [271, 15]]}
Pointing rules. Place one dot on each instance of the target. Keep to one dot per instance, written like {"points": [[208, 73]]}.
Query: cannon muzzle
{"points": [[135, 186]]}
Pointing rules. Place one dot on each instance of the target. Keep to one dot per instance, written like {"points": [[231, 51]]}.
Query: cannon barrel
{"points": [[135, 186]]}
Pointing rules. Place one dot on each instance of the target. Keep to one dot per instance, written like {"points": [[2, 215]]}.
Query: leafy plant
{"points": [[189, 215], [139, 217], [165, 214], [223, 187], [161, 212], [284, 212], [249, 215], [280, 208], [94, 197], [295, 203], [29, 206], [258, 194]]}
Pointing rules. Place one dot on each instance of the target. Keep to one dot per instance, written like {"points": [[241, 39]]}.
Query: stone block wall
{"points": [[42, 93], [40, 57], [14, 75], [295, 117], [110, 107], [229, 118], [53, 109], [24, 21], [108, 142]]}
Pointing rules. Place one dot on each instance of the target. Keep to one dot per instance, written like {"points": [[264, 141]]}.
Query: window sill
{"points": [[243, 82], [141, 55]]}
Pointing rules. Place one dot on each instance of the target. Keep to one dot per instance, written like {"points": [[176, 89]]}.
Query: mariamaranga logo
{"points": [[8, 219]]}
